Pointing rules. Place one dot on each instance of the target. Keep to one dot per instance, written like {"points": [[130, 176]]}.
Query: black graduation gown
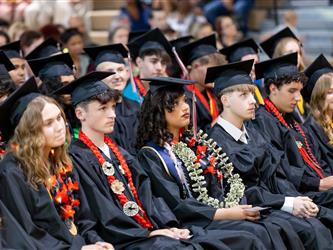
{"points": [[12, 235], [192, 212], [259, 165], [116, 227], [127, 122], [36, 213], [319, 143], [302, 176]]}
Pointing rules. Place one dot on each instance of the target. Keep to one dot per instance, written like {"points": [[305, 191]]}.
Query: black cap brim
{"points": [[281, 66], [12, 50], [107, 53], [153, 39], [14, 106], [269, 45], [228, 75], [5, 66], [85, 87], [47, 48], [199, 48], [37, 65], [314, 71], [235, 52], [157, 83]]}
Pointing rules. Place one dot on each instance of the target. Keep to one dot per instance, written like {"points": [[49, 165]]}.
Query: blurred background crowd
{"points": [[80, 23]]}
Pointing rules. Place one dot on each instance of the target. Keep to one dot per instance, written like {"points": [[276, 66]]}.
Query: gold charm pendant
{"points": [[71, 227], [131, 208], [108, 168], [117, 187]]}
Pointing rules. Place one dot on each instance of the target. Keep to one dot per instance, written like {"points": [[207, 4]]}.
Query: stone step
{"points": [[108, 4], [102, 19], [99, 37]]}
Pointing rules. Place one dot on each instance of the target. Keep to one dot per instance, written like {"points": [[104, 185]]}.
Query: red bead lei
{"points": [[306, 151], [63, 192], [140, 217]]}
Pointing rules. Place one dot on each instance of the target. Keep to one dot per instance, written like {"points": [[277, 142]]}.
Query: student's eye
{"points": [[48, 123], [102, 108], [59, 117], [292, 91]]}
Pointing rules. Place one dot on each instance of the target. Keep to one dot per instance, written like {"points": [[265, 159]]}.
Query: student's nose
{"points": [[297, 96]]}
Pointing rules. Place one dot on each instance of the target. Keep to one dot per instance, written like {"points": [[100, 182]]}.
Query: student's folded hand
{"points": [[182, 233], [304, 207], [164, 232], [98, 246]]}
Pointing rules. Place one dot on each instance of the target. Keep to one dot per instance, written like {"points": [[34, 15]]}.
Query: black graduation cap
{"points": [[5, 66], [134, 34], [318, 67], [228, 75], [107, 53], [57, 65], [277, 67], [180, 42], [47, 48], [235, 52], [13, 107], [269, 45], [199, 48], [153, 39], [85, 87], [12, 50], [160, 82]]}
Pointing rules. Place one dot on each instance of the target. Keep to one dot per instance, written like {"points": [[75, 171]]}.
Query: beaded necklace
{"points": [[306, 151]]}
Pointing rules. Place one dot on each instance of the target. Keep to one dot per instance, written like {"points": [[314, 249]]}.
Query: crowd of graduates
{"points": [[166, 145]]}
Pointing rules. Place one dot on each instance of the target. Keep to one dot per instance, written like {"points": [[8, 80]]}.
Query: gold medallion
{"points": [[71, 227], [108, 168], [131, 208], [117, 187], [299, 144]]}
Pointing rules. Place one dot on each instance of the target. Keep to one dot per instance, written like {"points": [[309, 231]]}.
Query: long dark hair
{"points": [[152, 123]]}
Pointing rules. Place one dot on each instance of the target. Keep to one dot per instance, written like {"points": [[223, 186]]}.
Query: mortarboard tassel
{"points": [[185, 75]]}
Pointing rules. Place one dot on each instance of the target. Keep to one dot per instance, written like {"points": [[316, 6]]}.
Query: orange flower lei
{"points": [[140, 217], [63, 192]]}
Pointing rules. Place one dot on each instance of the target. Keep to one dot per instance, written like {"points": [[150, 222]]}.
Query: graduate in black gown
{"points": [[174, 180], [150, 52], [110, 58], [7, 86], [38, 184], [283, 83], [13, 52], [282, 43], [197, 56], [318, 94], [257, 162], [54, 69], [246, 50], [117, 188]]}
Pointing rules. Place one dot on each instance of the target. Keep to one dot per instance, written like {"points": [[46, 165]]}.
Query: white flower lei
{"points": [[188, 157]]}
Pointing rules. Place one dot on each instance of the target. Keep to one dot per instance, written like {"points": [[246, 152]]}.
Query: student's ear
{"points": [[80, 113], [273, 89], [138, 61], [225, 101]]}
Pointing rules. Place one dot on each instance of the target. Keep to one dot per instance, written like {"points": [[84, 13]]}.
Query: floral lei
{"points": [[2, 147], [306, 151], [130, 208], [199, 152], [64, 191]]}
